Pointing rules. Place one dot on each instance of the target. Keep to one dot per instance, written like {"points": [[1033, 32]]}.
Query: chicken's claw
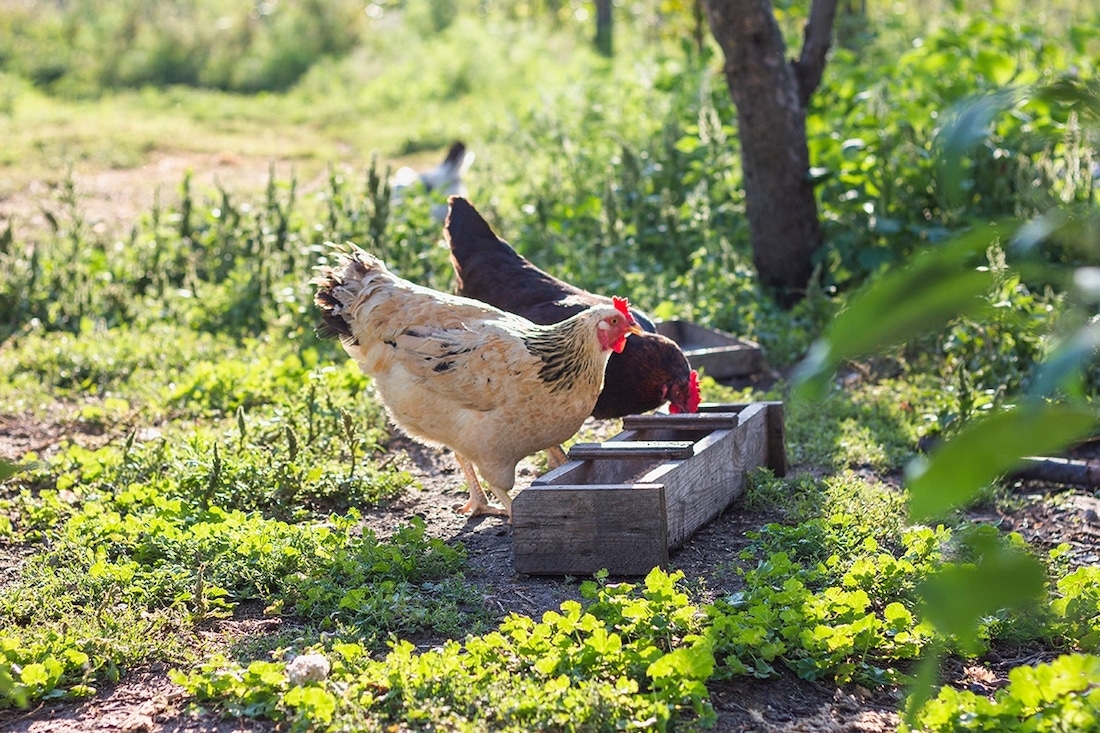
{"points": [[477, 509]]}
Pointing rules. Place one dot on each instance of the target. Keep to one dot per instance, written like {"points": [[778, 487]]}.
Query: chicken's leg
{"points": [[555, 456], [478, 504], [506, 500]]}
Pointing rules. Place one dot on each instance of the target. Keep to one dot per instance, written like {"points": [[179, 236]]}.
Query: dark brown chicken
{"points": [[650, 371]]}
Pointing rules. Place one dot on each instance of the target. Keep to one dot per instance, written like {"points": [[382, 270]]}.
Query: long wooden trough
{"points": [[719, 354], [621, 505]]}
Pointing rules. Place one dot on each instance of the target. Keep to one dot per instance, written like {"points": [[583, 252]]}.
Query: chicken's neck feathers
{"points": [[570, 352]]}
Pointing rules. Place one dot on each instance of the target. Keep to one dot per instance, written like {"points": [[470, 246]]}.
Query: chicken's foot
{"points": [[478, 504]]}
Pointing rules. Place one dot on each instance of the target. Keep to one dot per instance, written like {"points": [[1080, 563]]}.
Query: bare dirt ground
{"points": [[111, 200], [145, 700]]}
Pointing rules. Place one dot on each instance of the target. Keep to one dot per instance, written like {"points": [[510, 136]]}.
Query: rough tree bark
{"points": [[603, 27], [771, 95]]}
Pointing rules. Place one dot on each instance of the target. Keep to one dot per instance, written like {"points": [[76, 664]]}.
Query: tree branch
{"points": [[817, 37]]}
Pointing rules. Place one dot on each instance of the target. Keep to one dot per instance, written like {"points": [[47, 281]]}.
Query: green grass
{"points": [[129, 129], [378, 99]]}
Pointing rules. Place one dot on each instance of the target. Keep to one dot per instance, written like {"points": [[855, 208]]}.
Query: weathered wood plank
{"points": [[681, 421], [578, 530], [777, 443], [606, 471], [719, 354], [726, 362], [1059, 470], [725, 406], [663, 449], [777, 439], [698, 490]]}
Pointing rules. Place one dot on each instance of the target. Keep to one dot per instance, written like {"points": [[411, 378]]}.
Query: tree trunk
{"points": [[603, 27], [698, 24], [771, 94]]}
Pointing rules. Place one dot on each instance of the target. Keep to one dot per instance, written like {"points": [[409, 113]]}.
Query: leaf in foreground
{"points": [[959, 595], [955, 473], [936, 287]]}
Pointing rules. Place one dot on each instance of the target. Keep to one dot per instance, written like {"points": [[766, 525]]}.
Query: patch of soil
{"points": [[20, 434], [1056, 515], [787, 704], [112, 198], [144, 701]]}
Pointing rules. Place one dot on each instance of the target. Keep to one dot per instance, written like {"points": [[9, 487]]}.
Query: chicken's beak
{"points": [[620, 344], [635, 329]]}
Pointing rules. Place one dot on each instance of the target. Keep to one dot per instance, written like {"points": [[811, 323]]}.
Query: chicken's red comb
{"points": [[693, 388], [623, 305]]}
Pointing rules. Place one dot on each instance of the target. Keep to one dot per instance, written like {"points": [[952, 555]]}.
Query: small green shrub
{"points": [[1076, 609], [137, 43], [851, 619]]}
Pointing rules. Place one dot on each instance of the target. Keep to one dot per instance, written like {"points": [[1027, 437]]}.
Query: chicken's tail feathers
{"points": [[456, 155], [333, 326], [464, 221], [352, 265], [338, 284], [467, 232], [447, 176]]}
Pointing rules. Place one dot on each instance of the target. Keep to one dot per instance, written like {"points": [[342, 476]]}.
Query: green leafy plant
{"points": [[1061, 695], [823, 620], [1076, 609], [631, 656], [143, 554]]}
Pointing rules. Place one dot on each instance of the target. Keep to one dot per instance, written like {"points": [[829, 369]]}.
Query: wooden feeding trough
{"points": [[720, 355], [622, 504]]}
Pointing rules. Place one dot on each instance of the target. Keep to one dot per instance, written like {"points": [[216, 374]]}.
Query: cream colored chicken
{"points": [[455, 372]]}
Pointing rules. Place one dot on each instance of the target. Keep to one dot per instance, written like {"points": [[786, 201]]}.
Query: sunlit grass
{"points": [[403, 96], [875, 425], [44, 136]]}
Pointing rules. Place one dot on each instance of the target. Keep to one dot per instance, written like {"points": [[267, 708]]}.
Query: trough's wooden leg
{"points": [[777, 442]]}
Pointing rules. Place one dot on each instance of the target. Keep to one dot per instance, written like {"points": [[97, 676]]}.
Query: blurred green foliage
{"points": [[85, 46], [637, 191], [950, 288]]}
